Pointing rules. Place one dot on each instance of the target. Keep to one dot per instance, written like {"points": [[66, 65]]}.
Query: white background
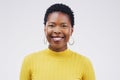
{"points": [[96, 34]]}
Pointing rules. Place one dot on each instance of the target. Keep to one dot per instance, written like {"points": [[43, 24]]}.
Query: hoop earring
{"points": [[71, 41], [45, 40]]}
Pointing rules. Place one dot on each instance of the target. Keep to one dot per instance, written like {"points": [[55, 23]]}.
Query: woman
{"points": [[57, 62]]}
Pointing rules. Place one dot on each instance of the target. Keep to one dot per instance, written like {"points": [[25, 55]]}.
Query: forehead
{"points": [[58, 16]]}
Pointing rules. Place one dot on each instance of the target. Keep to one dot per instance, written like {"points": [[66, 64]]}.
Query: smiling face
{"points": [[58, 30]]}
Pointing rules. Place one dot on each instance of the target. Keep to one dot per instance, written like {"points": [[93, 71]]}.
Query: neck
{"points": [[58, 49]]}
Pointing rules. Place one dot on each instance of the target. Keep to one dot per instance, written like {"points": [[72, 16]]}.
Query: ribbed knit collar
{"points": [[64, 53]]}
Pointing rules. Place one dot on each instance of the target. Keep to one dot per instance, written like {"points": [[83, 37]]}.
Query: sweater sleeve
{"points": [[88, 70], [25, 73]]}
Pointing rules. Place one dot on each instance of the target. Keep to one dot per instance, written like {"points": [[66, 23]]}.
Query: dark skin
{"points": [[58, 30]]}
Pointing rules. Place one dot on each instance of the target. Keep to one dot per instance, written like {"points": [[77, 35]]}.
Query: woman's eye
{"points": [[50, 25], [64, 26]]}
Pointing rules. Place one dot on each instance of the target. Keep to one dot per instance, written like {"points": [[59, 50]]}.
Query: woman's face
{"points": [[58, 30]]}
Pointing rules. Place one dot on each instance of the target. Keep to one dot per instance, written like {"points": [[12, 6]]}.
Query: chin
{"points": [[59, 46]]}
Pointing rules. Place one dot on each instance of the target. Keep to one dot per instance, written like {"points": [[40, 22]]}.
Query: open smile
{"points": [[57, 38]]}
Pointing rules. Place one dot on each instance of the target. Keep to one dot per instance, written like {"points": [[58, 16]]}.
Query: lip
{"points": [[57, 38]]}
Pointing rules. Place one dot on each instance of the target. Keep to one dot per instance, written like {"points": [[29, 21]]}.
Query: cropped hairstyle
{"points": [[60, 8]]}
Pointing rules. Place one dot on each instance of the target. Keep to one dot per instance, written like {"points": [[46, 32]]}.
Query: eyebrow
{"points": [[64, 23], [51, 22], [54, 23]]}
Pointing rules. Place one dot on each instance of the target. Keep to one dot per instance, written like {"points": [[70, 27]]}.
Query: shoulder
{"points": [[83, 61], [81, 58], [34, 55]]}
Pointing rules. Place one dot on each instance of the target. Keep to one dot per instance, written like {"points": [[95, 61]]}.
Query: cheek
{"points": [[47, 32], [69, 32]]}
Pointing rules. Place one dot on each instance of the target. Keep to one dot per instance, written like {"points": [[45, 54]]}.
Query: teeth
{"points": [[57, 39]]}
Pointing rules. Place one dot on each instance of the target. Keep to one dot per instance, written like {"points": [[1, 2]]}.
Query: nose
{"points": [[57, 30]]}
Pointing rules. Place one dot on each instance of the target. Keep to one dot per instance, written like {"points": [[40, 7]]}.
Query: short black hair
{"points": [[59, 7]]}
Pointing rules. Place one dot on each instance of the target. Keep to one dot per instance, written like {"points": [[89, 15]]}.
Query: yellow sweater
{"points": [[50, 65]]}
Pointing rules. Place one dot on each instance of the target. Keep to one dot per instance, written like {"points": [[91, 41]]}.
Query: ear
{"points": [[72, 29], [45, 30]]}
